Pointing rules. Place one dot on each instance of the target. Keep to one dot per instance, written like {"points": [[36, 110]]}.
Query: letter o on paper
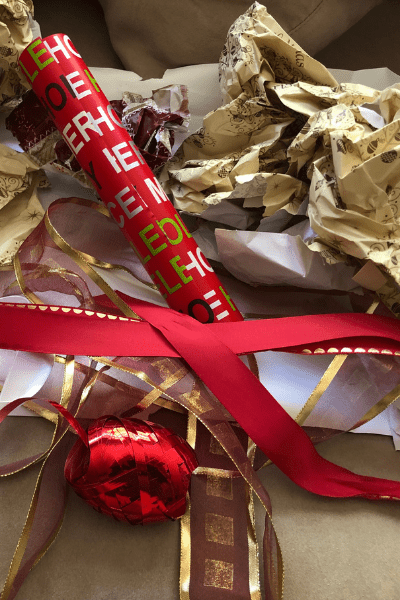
{"points": [[62, 96], [205, 305]]}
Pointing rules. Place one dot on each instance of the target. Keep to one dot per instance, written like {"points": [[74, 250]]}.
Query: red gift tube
{"points": [[123, 180]]}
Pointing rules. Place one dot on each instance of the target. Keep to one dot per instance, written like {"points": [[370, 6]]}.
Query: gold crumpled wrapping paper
{"points": [[241, 150], [286, 131], [15, 35], [20, 207]]}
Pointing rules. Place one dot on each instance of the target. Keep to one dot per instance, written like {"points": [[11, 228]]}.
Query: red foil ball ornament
{"points": [[132, 470]]}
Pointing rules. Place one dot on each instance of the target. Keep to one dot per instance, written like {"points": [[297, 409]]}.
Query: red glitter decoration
{"points": [[133, 470]]}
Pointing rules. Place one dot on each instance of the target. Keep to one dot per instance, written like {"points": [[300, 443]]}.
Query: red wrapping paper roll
{"points": [[123, 180]]}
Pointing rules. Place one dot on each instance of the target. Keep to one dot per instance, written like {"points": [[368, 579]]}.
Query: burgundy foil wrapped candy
{"points": [[151, 123], [133, 470]]}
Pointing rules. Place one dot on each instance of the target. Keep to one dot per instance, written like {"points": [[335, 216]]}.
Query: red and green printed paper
{"points": [[123, 180]]}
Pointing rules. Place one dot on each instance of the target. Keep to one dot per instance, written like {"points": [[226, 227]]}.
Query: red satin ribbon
{"points": [[263, 419], [33, 328]]}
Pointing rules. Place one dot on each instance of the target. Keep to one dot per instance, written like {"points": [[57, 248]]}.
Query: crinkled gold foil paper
{"points": [[288, 132], [15, 35], [20, 208]]}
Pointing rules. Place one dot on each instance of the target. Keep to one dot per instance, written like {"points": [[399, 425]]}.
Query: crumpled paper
{"points": [[20, 207], [153, 122], [355, 195], [16, 18], [248, 135], [264, 258], [287, 136]]}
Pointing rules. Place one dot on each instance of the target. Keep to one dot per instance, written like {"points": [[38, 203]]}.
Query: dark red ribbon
{"points": [[210, 352]]}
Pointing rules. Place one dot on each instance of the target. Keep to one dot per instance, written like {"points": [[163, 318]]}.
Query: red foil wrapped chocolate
{"points": [[134, 471]]}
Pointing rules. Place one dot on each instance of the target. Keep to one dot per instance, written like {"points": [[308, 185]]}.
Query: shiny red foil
{"points": [[134, 471]]}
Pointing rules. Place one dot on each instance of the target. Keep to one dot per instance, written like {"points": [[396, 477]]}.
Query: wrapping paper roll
{"points": [[123, 180]]}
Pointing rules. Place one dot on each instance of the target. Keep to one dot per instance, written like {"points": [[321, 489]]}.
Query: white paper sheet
{"points": [[22, 374]]}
